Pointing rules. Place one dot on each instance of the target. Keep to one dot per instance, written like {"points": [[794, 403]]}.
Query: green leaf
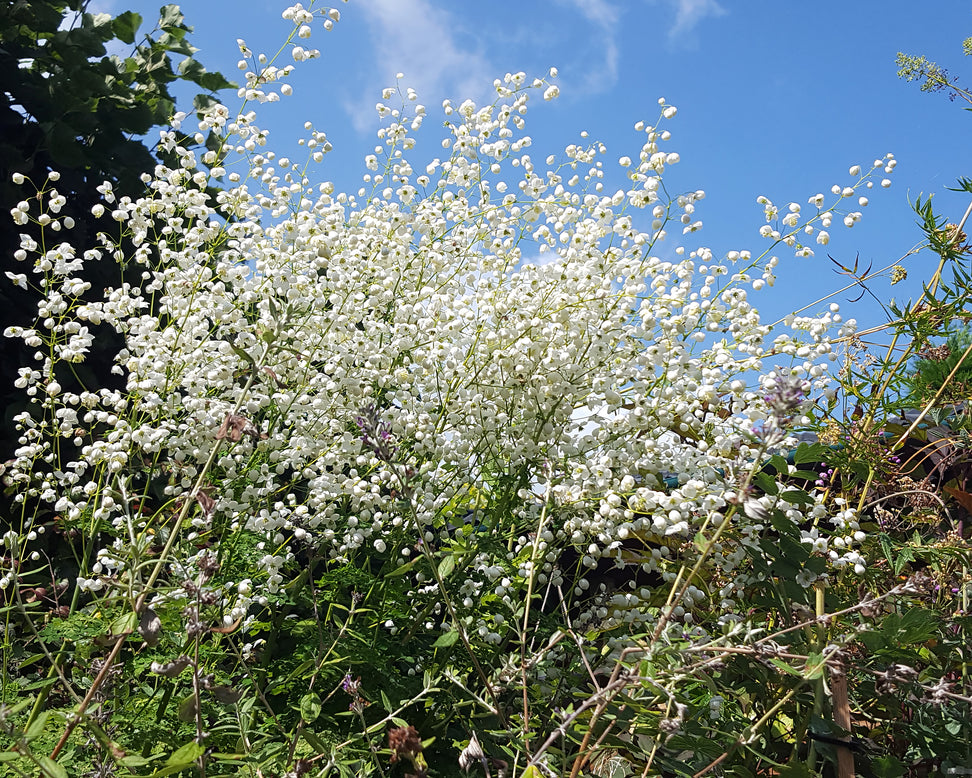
{"points": [[905, 556], [795, 770], [170, 16], [134, 760], [887, 767], [887, 549], [191, 69], [310, 707], [32, 658], [124, 624], [531, 772], [385, 702], [214, 82], [809, 452], [796, 496], [781, 665], [446, 639], [314, 741], [51, 768], [814, 668], [43, 683], [125, 25], [446, 565], [244, 356], [766, 483], [400, 571], [36, 726], [700, 541], [188, 754], [917, 626], [188, 709]]}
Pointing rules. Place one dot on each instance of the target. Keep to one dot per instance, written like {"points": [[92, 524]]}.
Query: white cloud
{"points": [[604, 18], [422, 41], [688, 13]]}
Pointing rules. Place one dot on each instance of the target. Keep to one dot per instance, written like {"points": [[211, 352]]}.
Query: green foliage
{"points": [[360, 663], [933, 78], [934, 370], [68, 106]]}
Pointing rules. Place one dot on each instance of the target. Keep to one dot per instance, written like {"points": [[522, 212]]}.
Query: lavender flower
{"points": [[783, 403], [785, 399], [375, 433]]}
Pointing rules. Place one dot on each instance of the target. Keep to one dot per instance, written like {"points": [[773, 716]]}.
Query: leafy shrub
{"points": [[468, 469]]}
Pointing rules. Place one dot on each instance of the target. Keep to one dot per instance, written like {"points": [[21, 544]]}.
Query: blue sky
{"points": [[775, 99]]}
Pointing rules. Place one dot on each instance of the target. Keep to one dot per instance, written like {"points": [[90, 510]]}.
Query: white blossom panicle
{"points": [[364, 372]]}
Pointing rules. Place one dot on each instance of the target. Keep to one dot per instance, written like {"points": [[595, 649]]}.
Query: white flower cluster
{"points": [[788, 228], [517, 328]]}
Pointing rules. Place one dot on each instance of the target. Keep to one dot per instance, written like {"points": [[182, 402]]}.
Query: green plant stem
{"points": [[526, 616], [672, 603], [820, 641], [750, 731], [440, 583], [187, 505]]}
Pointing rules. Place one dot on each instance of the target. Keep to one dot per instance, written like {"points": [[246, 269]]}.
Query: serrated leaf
{"points": [[918, 625], [214, 82], [809, 452], [887, 549], [905, 556], [446, 639], [310, 707], [191, 69], [795, 770], [887, 767]]}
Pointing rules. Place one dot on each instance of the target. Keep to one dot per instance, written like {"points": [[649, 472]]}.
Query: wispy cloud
{"points": [[422, 41], [688, 14], [603, 18]]}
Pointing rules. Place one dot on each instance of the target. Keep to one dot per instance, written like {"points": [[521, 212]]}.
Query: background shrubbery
{"points": [[464, 473]]}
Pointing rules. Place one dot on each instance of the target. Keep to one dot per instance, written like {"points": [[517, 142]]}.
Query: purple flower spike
{"points": [[375, 433]]}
